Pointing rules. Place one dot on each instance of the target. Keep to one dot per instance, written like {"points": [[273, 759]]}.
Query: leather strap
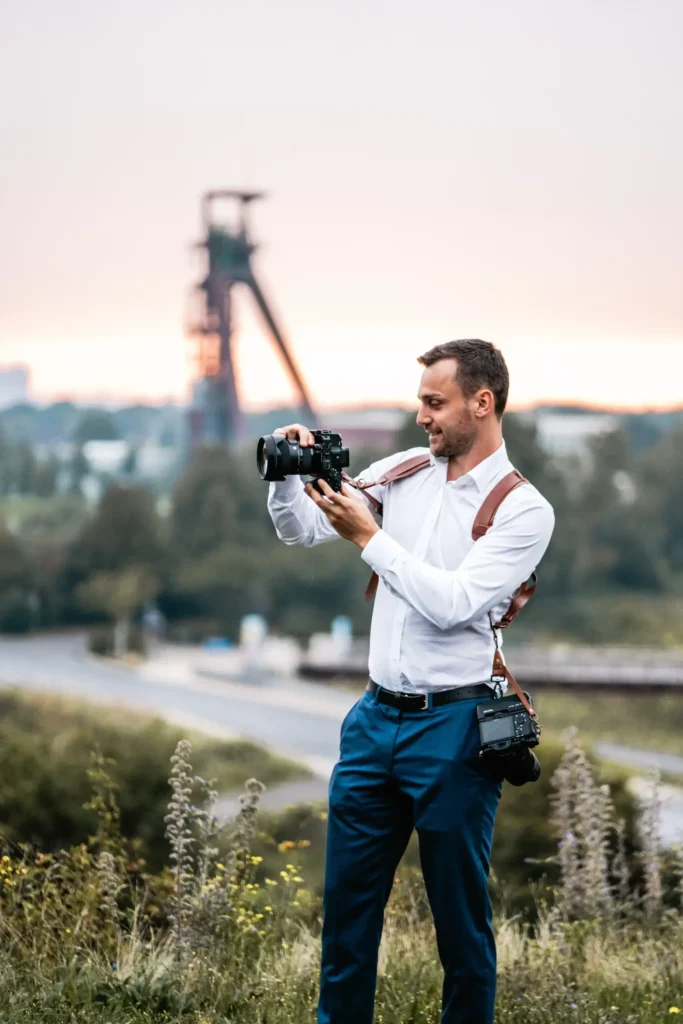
{"points": [[501, 669], [482, 521], [403, 469], [485, 516]]}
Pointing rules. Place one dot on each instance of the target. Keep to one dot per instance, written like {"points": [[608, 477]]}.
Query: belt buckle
{"points": [[424, 706]]}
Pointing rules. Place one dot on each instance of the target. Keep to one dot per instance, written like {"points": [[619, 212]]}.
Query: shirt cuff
{"points": [[281, 492], [382, 552]]}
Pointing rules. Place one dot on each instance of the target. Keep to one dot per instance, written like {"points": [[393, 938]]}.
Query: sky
{"points": [[508, 171]]}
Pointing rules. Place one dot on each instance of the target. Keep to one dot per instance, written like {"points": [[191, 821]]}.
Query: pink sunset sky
{"points": [[435, 170]]}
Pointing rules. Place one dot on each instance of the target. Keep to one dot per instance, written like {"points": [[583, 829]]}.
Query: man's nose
{"points": [[420, 419]]}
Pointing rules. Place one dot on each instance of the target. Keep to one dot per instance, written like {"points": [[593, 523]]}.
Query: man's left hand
{"points": [[351, 518]]}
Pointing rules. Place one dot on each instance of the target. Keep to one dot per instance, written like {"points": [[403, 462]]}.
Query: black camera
{"points": [[506, 734], [278, 457]]}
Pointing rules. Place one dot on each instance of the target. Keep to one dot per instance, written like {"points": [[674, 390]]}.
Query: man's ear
{"points": [[486, 403]]}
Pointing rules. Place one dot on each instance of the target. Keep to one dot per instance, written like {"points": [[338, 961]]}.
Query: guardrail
{"points": [[615, 668]]}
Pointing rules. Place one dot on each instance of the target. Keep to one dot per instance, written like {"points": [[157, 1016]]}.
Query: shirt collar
{"points": [[486, 471]]}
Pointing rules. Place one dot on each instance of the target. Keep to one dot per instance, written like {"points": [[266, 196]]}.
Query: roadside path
{"points": [[195, 690]]}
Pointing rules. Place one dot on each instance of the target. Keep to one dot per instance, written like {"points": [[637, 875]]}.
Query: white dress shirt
{"points": [[430, 628]]}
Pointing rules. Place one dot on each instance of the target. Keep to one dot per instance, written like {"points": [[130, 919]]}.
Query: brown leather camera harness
{"points": [[482, 521]]}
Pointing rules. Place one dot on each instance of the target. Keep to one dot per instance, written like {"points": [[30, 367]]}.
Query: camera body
{"points": [[278, 457], [505, 726]]}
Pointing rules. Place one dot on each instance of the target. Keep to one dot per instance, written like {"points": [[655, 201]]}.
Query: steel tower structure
{"points": [[216, 414]]}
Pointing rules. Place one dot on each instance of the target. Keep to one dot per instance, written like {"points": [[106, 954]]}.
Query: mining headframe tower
{"points": [[216, 414]]}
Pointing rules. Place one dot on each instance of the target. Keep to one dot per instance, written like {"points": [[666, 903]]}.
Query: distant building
{"points": [[365, 428], [151, 460], [564, 433], [14, 385]]}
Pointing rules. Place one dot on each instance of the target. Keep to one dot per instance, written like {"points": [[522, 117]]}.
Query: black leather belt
{"points": [[421, 701]]}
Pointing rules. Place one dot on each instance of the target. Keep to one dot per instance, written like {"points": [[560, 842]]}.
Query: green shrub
{"points": [[45, 748], [15, 611]]}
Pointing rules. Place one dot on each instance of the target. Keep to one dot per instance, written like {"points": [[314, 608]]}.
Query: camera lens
{"points": [[277, 457]]}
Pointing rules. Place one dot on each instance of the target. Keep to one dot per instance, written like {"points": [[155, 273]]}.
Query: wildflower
{"points": [[297, 879], [256, 860], [674, 1009], [270, 881]]}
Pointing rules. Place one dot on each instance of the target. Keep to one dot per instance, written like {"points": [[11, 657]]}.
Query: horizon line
{"points": [[127, 401]]}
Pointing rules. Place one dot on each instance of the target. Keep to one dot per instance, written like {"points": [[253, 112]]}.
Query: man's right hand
{"points": [[295, 431]]}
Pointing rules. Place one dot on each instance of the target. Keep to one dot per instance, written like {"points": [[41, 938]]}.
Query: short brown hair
{"points": [[480, 365]]}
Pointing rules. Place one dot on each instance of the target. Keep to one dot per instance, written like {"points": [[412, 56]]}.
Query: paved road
{"points": [[298, 719], [293, 718]]}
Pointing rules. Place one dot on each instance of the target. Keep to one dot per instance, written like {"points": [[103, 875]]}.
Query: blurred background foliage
{"points": [[203, 535]]}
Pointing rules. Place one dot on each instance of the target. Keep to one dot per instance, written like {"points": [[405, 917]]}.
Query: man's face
{"points": [[444, 412]]}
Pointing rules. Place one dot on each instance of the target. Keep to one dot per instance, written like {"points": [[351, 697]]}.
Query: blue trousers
{"points": [[397, 771]]}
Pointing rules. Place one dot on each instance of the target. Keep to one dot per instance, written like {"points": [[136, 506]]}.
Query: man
{"points": [[411, 762]]}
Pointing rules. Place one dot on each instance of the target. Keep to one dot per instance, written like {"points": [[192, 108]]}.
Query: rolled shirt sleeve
{"points": [[491, 570]]}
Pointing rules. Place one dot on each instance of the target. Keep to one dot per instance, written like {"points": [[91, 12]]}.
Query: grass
{"points": [[88, 936], [649, 722]]}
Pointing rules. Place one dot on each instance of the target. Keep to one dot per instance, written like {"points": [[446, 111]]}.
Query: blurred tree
{"points": [[56, 422], [16, 584], [24, 469], [96, 425], [5, 462], [21, 423], [410, 435], [661, 472], [119, 595], [219, 500], [124, 533], [78, 468], [45, 477]]}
